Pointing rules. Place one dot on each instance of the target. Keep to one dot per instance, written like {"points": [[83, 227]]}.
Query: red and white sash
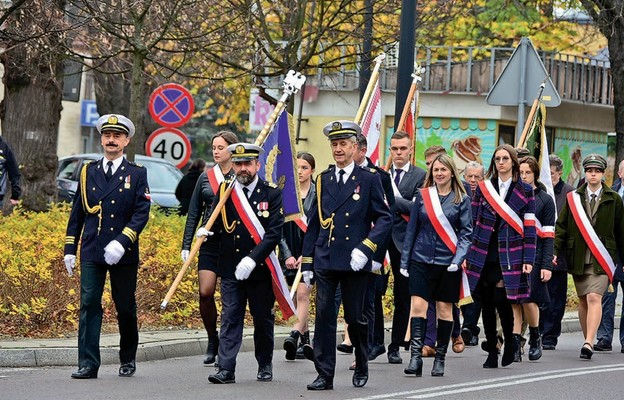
{"points": [[547, 231], [501, 208], [589, 234], [445, 231], [302, 223], [255, 228], [215, 177]]}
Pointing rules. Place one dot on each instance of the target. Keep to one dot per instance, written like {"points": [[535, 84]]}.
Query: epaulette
{"points": [[330, 168], [270, 184], [369, 169], [135, 164]]}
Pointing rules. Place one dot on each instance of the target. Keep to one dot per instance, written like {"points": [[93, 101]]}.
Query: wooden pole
{"points": [[529, 120], [369, 88]]}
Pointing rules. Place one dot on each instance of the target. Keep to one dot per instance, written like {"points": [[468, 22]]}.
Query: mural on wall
{"points": [[573, 145], [465, 140]]}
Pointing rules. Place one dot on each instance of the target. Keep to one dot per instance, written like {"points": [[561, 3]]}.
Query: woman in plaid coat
{"points": [[503, 248]]}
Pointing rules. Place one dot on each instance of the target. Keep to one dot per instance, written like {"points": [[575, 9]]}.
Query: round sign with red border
{"points": [[171, 105], [170, 144]]}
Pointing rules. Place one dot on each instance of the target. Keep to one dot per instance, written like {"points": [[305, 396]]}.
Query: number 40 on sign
{"points": [[170, 144]]}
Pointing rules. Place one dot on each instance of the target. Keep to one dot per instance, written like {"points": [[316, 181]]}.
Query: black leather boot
{"points": [[489, 328], [417, 328], [444, 336], [213, 349], [535, 344], [518, 353], [505, 314], [290, 344], [304, 340]]}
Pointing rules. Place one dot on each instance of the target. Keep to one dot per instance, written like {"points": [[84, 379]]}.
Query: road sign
{"points": [[88, 113], [171, 105], [521, 78], [169, 144], [259, 110]]}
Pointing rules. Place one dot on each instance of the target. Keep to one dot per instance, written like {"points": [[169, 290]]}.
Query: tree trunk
{"points": [[616, 55], [31, 108]]}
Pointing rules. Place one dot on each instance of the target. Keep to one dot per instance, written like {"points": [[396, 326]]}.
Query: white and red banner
{"points": [[589, 234], [501, 208], [371, 123], [547, 231], [255, 228]]}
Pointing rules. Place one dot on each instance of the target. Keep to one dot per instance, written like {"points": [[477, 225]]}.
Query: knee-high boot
{"points": [[488, 314], [507, 320], [417, 328], [443, 338]]}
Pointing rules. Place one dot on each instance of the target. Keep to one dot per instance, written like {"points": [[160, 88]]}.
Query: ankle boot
{"points": [[518, 353], [535, 344], [443, 338], [290, 344], [212, 349], [304, 339], [417, 328]]}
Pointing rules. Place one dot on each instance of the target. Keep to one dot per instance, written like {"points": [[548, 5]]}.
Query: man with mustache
{"points": [[245, 276], [111, 208]]}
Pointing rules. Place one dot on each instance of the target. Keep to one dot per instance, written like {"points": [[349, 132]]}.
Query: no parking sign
{"points": [[171, 105], [170, 144]]}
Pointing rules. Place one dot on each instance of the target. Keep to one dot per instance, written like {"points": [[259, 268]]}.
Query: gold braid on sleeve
{"points": [[97, 209]]}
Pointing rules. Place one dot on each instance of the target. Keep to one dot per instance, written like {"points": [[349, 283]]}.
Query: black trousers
{"points": [[123, 280], [235, 295], [402, 300], [353, 287], [551, 313]]}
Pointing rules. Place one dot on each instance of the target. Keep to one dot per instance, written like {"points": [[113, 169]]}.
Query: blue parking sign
{"points": [[88, 113]]}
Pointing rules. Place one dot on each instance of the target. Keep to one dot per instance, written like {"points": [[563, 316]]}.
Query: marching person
{"points": [[407, 179], [338, 249], [590, 233], [503, 248], [9, 172], [436, 242], [542, 269], [247, 232], [110, 209], [199, 211], [290, 253], [186, 186]]}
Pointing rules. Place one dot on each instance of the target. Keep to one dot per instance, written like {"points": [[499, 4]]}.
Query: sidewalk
{"points": [[153, 345]]}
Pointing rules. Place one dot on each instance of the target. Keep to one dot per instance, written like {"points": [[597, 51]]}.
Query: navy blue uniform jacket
{"points": [[114, 210], [359, 204]]}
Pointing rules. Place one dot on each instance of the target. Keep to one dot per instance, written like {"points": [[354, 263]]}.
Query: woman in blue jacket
{"points": [[436, 241]]}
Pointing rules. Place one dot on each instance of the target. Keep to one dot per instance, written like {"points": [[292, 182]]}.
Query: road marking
{"points": [[484, 384]]}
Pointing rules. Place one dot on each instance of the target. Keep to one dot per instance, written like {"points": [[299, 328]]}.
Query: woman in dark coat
{"points": [[199, 211], [542, 269], [436, 241], [503, 248], [186, 186]]}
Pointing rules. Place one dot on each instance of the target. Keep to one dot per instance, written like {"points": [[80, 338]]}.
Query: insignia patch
{"points": [[113, 120], [240, 149]]}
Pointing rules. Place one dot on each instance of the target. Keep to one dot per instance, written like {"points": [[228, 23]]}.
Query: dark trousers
{"points": [[431, 333], [551, 313], [123, 280], [471, 313], [235, 295], [402, 300], [605, 330], [353, 287], [381, 285]]}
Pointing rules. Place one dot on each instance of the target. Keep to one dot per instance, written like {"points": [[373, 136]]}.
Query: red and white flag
{"points": [[371, 123]]}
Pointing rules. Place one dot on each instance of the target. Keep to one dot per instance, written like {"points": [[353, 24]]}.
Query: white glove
{"points": [[307, 277], [70, 263], [203, 232], [244, 268], [452, 268], [404, 272], [184, 254], [113, 252], [376, 266], [358, 260]]}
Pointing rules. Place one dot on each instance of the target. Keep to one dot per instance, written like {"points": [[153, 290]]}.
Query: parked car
{"points": [[162, 177]]}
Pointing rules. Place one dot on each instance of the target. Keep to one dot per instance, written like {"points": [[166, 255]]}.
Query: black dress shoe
{"points": [[360, 377], [321, 383], [603, 345], [376, 351], [223, 376], [345, 348], [265, 373], [587, 351], [394, 357], [127, 369], [85, 373], [308, 352]]}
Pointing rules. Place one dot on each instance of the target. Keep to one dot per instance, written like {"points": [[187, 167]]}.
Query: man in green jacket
{"points": [[590, 233]]}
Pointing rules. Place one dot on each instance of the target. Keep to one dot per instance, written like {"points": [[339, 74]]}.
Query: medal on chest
{"points": [[356, 193], [263, 209]]}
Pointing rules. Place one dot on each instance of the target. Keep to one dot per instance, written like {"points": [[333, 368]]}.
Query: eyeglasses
{"points": [[502, 159], [402, 148]]}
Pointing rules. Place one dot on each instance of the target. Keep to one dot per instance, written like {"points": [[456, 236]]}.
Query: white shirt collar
{"points": [[116, 163], [364, 163], [404, 168], [348, 170], [597, 192], [505, 184]]}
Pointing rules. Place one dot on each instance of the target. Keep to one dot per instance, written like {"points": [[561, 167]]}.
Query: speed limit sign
{"points": [[170, 144]]}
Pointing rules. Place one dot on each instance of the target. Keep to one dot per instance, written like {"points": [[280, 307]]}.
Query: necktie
{"points": [[109, 171], [592, 202], [397, 176], [246, 191], [341, 179]]}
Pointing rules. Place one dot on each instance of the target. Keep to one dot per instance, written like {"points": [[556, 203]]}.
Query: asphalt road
{"points": [[558, 375]]}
